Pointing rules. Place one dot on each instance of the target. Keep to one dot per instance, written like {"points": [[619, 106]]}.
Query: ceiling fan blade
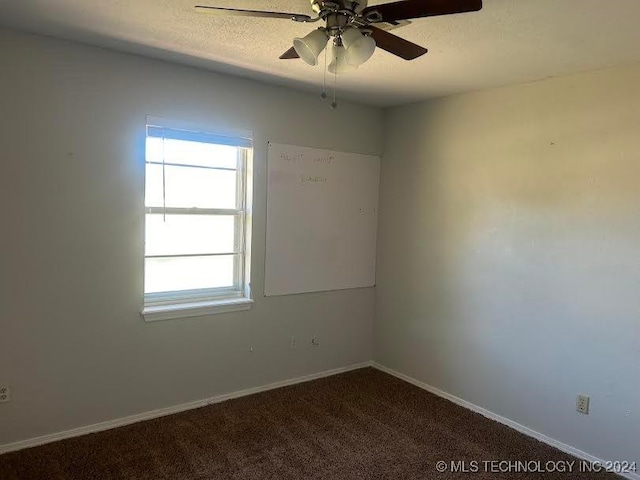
{"points": [[422, 8], [252, 13], [289, 54], [396, 45]]}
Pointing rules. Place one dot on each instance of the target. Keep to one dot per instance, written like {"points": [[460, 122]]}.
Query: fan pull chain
{"points": [[334, 104], [323, 95], [164, 184]]}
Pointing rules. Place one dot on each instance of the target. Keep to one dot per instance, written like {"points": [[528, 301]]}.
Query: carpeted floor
{"points": [[363, 424]]}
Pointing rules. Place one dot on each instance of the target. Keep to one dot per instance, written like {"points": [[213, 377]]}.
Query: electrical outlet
{"points": [[5, 394], [582, 404], [292, 343]]}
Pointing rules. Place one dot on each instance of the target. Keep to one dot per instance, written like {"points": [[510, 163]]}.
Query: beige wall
{"points": [[509, 254], [72, 344]]}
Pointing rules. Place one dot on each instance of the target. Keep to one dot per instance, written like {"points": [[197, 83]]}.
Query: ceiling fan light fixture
{"points": [[358, 47], [309, 47], [339, 63]]}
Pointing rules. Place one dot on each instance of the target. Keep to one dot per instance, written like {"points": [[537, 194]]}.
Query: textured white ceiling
{"points": [[507, 42]]}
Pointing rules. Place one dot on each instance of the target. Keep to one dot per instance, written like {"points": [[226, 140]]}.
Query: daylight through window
{"points": [[196, 201]]}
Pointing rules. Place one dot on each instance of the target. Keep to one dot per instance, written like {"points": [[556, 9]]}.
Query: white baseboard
{"points": [[98, 427], [500, 419]]}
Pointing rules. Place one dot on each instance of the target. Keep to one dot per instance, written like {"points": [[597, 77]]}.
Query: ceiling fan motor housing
{"points": [[338, 14], [355, 6]]}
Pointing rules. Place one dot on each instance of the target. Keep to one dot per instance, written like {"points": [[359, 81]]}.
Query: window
{"points": [[197, 231]]}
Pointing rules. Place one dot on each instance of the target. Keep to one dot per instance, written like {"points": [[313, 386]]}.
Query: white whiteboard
{"points": [[322, 211]]}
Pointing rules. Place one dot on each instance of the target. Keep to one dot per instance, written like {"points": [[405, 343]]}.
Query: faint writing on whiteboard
{"points": [[292, 158], [312, 179], [300, 158], [324, 160]]}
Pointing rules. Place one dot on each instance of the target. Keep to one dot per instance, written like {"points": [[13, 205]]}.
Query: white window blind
{"points": [[196, 225]]}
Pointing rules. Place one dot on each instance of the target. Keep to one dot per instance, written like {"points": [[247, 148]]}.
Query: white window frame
{"points": [[191, 303]]}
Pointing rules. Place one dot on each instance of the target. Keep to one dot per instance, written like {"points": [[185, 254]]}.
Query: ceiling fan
{"points": [[355, 28]]}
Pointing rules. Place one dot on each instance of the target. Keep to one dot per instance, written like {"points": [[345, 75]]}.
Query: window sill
{"points": [[196, 309]]}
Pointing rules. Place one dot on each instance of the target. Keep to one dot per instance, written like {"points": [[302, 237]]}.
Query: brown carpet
{"points": [[363, 424]]}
